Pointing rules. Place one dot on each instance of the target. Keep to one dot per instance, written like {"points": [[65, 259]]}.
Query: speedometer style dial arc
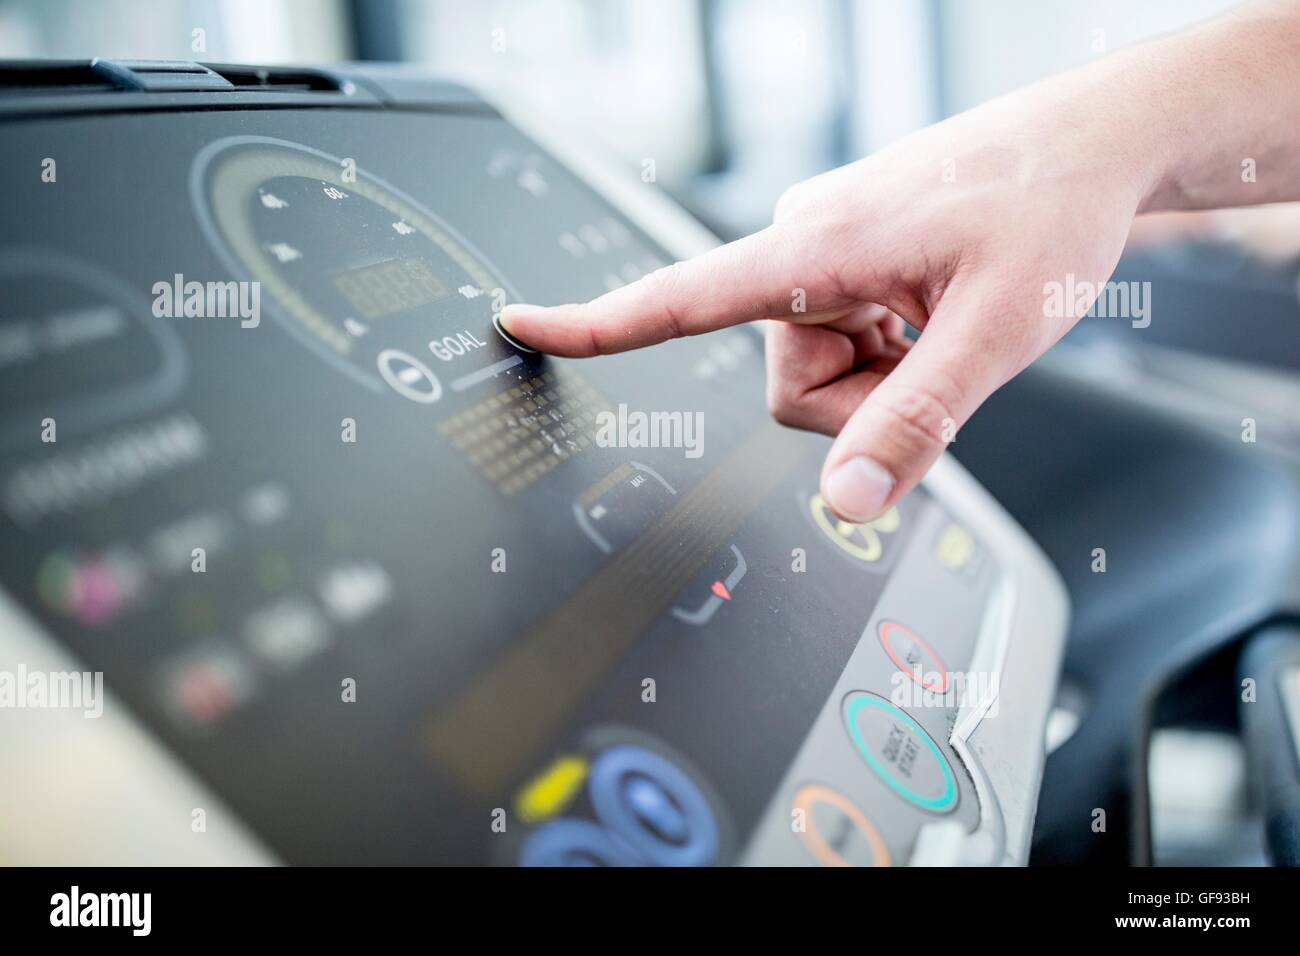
{"points": [[354, 268]]}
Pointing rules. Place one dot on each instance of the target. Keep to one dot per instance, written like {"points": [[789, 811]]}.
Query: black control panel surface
{"points": [[401, 591]]}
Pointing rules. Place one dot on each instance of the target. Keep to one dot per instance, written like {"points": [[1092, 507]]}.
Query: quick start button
{"points": [[903, 755]]}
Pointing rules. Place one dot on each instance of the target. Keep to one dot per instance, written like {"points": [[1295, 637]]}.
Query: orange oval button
{"points": [[857, 841]]}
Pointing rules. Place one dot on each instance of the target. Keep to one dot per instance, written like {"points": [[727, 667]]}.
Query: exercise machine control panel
{"points": [[375, 584]]}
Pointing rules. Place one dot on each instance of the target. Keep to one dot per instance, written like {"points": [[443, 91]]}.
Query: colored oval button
{"points": [[861, 541], [913, 656], [835, 831], [903, 755], [575, 843], [653, 807]]}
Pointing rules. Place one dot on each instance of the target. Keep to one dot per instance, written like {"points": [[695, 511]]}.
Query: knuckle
{"points": [[795, 198], [673, 281], [665, 279], [597, 335], [923, 415], [783, 403], [666, 287]]}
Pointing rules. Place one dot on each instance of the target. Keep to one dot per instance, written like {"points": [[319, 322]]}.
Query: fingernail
{"points": [[858, 489]]}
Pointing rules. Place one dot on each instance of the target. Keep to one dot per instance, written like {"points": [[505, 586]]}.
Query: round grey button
{"points": [[409, 377]]}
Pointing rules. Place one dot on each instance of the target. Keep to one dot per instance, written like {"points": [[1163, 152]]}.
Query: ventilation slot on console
{"points": [[42, 79], [160, 76], [278, 80]]}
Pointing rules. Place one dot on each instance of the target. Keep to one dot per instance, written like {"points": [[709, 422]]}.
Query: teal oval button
{"points": [[894, 747]]}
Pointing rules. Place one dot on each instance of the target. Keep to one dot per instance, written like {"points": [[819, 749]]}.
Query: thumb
{"points": [[904, 424]]}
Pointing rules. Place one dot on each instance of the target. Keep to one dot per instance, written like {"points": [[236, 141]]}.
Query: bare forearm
{"points": [[961, 229], [1223, 103], [1203, 119]]}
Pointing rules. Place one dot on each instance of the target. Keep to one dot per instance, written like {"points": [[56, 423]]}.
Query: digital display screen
{"points": [[449, 581], [390, 286]]}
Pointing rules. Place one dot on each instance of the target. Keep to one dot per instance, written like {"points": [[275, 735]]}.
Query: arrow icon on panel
{"points": [[721, 592]]}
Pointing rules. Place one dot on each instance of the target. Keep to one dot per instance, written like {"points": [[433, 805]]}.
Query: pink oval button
{"points": [[910, 654]]}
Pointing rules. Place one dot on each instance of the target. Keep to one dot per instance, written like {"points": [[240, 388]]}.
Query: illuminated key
{"points": [[547, 794]]}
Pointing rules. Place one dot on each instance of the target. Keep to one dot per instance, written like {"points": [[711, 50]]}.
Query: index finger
{"points": [[751, 278]]}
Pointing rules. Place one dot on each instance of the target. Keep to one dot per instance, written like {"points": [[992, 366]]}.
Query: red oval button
{"points": [[910, 658]]}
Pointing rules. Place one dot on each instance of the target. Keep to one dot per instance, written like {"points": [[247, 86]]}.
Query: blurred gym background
{"points": [[734, 99]]}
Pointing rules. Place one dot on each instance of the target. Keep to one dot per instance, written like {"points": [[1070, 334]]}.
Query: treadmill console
{"points": [[370, 583]]}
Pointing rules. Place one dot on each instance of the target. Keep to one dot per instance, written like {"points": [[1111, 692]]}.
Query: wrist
{"points": [[1186, 120], [1128, 139], [1096, 134], [1217, 110]]}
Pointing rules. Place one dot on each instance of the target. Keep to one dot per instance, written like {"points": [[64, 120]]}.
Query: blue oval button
{"points": [[575, 843], [654, 807]]}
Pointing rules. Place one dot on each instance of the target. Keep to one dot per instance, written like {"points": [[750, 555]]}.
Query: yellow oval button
{"points": [[862, 541]]}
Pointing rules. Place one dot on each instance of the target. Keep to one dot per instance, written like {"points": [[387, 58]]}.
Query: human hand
{"points": [[954, 230]]}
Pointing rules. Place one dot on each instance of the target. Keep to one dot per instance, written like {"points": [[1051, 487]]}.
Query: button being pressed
{"points": [[510, 339]]}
